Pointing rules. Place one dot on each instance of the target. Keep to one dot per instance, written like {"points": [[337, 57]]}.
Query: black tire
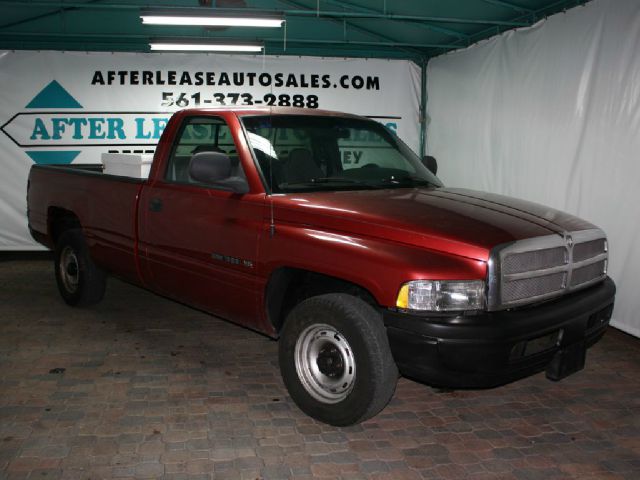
{"points": [[335, 359], [80, 281]]}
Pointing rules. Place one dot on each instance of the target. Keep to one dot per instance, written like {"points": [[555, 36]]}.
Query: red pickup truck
{"points": [[324, 230]]}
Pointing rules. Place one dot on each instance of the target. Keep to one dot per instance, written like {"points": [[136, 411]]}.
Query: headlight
{"points": [[442, 295]]}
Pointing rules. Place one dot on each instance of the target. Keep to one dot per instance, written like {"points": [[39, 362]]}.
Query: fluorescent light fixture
{"points": [[196, 45], [212, 21], [210, 18]]}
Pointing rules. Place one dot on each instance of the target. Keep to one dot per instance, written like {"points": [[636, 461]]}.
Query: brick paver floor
{"points": [[142, 387]]}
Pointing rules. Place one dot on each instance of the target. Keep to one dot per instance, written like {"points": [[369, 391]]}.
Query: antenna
{"points": [[272, 222], [272, 225]]}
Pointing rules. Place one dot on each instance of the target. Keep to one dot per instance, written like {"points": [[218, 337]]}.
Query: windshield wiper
{"points": [[325, 180], [409, 180]]}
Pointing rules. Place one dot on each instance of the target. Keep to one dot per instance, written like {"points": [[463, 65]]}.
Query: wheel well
{"points": [[289, 286], [59, 220]]}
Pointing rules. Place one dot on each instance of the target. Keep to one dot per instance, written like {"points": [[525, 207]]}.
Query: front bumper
{"points": [[494, 348]]}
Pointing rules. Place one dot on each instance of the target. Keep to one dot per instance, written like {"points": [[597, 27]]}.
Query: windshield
{"points": [[299, 153]]}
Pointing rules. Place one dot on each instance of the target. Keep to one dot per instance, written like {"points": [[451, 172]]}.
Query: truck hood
{"points": [[456, 221]]}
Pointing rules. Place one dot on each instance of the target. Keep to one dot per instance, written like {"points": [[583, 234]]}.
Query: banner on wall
{"points": [[70, 107]]}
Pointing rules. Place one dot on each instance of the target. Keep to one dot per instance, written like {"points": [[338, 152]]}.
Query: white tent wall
{"points": [[551, 114]]}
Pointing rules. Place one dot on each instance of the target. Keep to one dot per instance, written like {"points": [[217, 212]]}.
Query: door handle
{"points": [[155, 204]]}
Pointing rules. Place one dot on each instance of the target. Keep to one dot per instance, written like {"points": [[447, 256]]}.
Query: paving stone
{"points": [[46, 474], [276, 472], [248, 463], [174, 436], [198, 444], [270, 451], [537, 474], [175, 476], [374, 466], [201, 466], [228, 475], [487, 433], [507, 453], [427, 450], [299, 470], [149, 470], [219, 454], [334, 437], [126, 472]]}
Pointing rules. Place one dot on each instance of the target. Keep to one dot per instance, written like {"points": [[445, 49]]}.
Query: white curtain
{"points": [[551, 114]]}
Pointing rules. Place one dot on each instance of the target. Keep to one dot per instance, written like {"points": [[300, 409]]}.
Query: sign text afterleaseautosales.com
{"points": [[234, 79]]}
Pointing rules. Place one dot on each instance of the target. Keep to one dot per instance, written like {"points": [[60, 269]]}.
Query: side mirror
{"points": [[431, 163], [215, 169]]}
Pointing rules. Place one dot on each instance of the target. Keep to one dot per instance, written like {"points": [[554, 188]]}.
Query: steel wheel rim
{"points": [[69, 269], [325, 363]]}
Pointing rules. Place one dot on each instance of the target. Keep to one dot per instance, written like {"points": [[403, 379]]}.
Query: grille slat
{"points": [[583, 251], [533, 287], [535, 260], [587, 273]]}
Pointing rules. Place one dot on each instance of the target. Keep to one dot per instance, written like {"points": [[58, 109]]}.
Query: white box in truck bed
{"points": [[127, 164]]}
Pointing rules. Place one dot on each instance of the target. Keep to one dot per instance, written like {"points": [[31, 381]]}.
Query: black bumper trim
{"points": [[488, 349]]}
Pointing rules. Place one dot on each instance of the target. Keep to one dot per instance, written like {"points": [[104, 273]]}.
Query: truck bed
{"points": [[108, 220]]}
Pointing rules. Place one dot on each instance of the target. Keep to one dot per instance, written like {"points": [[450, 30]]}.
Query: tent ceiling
{"points": [[410, 29]]}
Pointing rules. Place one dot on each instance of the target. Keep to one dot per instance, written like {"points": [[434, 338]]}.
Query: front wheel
{"points": [[80, 281], [335, 359]]}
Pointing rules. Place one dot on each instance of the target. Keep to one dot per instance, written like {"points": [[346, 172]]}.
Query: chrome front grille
{"points": [[540, 268]]}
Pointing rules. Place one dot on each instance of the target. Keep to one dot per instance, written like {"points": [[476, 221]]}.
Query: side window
{"points": [[201, 134]]}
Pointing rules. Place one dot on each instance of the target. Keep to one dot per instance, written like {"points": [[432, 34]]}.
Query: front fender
{"points": [[377, 265]]}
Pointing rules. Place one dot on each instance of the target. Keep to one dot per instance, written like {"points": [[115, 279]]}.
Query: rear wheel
{"points": [[80, 281], [335, 359]]}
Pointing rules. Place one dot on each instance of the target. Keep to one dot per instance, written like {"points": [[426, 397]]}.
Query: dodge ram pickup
{"points": [[326, 231]]}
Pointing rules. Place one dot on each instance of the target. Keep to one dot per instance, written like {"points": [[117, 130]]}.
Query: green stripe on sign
{"points": [[53, 158], [53, 96]]}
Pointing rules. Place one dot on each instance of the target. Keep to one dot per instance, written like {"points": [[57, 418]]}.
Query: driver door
{"points": [[199, 243]]}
